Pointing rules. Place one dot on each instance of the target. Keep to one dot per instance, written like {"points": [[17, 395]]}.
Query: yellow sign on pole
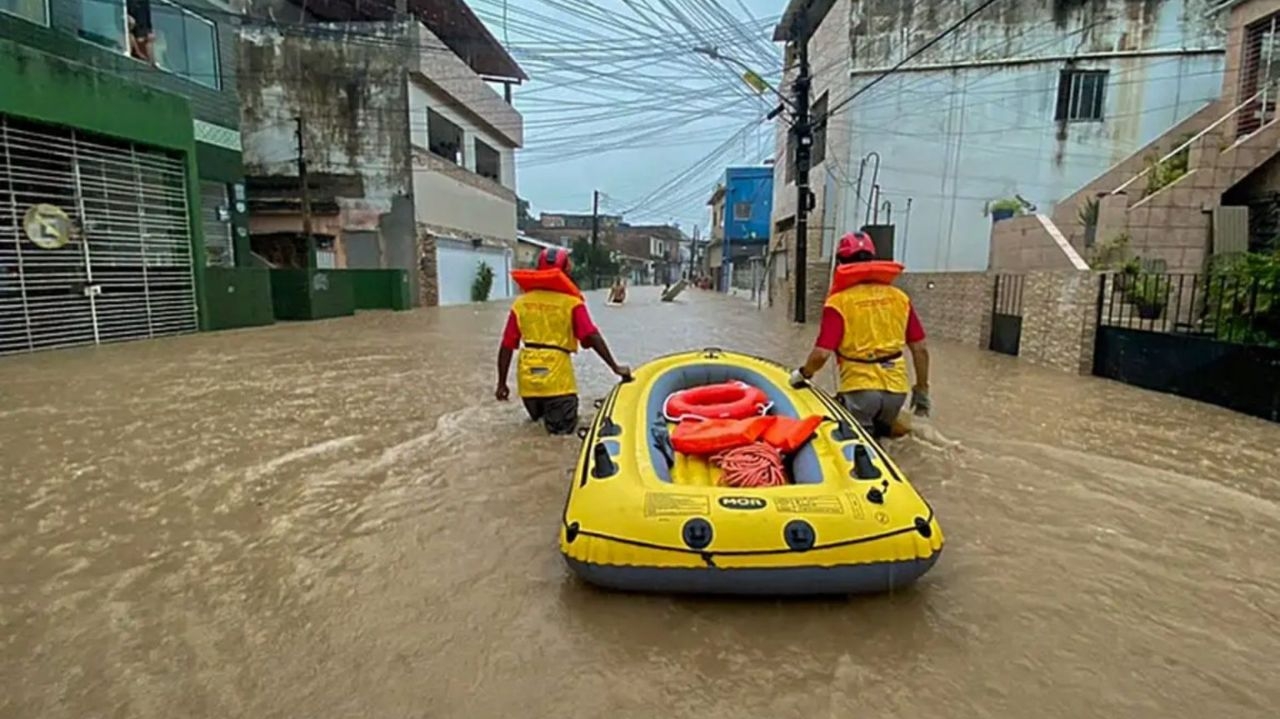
{"points": [[47, 226]]}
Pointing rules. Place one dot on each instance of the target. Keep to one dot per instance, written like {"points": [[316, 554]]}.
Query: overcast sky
{"points": [[618, 101]]}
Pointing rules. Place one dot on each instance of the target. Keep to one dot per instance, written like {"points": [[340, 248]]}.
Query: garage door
{"points": [[94, 240], [458, 261]]}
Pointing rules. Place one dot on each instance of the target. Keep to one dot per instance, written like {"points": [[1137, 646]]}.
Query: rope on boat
{"points": [[753, 465]]}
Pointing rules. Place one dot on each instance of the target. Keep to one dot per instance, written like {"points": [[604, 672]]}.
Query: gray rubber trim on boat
{"points": [[870, 578]]}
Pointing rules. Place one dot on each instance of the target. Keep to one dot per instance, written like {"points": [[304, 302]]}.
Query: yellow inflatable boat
{"points": [[641, 517]]}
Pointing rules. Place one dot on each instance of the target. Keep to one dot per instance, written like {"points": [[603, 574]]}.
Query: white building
{"points": [[410, 144], [1030, 99]]}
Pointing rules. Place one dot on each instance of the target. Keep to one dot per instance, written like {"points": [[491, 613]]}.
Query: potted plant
{"points": [[1148, 295], [1129, 273], [1005, 209]]}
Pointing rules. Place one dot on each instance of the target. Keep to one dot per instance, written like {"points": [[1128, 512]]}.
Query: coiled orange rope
{"points": [[753, 465]]}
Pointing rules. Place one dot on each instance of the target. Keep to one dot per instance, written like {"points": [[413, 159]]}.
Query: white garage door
{"points": [[457, 263]]}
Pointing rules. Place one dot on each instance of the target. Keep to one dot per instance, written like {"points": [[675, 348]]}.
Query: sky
{"points": [[617, 101]]}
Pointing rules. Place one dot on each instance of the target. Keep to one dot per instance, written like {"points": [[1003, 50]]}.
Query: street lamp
{"points": [[749, 76]]}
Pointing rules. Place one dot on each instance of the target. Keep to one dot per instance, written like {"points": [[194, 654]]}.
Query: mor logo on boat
{"points": [[742, 503]]}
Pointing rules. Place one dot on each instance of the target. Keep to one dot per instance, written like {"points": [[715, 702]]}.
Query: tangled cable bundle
{"points": [[752, 465]]}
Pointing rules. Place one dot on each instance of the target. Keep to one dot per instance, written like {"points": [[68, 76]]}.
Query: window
{"points": [[184, 44], [818, 117], [444, 139], [1080, 95], [488, 162], [1260, 69], [165, 35], [36, 11], [742, 211], [102, 22]]}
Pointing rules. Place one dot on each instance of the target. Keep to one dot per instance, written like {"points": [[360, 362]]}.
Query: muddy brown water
{"points": [[336, 520]]}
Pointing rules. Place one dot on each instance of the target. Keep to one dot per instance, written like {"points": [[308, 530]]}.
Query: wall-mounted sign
{"points": [[47, 226]]}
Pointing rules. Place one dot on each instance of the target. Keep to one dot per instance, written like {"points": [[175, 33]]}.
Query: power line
{"points": [[913, 54]]}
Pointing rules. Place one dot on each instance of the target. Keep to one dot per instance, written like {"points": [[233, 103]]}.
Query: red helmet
{"points": [[854, 243], [553, 257]]}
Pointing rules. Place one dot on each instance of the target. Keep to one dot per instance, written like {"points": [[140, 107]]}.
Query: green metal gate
{"points": [[95, 244]]}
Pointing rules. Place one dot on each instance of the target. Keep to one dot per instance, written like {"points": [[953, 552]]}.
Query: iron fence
{"points": [[1228, 308]]}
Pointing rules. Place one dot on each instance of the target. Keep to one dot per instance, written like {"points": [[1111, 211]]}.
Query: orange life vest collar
{"points": [[876, 272], [551, 280]]}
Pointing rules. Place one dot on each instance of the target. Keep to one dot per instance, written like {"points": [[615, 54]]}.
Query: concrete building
{"points": [[1208, 185], [121, 183], [410, 149], [1031, 99], [652, 253], [741, 212], [565, 228]]}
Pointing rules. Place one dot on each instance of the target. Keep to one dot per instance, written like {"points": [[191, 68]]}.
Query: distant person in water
{"points": [[618, 293], [546, 324]]}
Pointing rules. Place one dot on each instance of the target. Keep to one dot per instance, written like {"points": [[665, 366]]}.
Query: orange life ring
{"points": [[552, 280], [728, 400], [876, 272]]}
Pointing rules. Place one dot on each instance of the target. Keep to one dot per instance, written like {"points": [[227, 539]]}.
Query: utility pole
{"points": [[693, 252], [803, 133], [595, 239], [304, 183]]}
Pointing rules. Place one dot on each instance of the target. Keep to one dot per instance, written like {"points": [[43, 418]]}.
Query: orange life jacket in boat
{"points": [[787, 435], [877, 272], [551, 280], [707, 437]]}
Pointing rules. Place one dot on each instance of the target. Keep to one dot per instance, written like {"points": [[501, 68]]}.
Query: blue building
{"points": [[740, 218]]}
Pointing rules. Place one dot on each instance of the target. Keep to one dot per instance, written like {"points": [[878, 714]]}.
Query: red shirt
{"points": [[583, 327], [832, 332]]}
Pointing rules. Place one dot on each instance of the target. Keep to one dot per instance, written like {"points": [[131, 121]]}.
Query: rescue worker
{"points": [[866, 323], [550, 319]]}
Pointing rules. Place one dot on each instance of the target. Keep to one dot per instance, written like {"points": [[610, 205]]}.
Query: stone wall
{"points": [[1059, 319], [1059, 313], [954, 306], [428, 280]]}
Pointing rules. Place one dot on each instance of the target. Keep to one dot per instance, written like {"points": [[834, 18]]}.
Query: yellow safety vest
{"points": [[875, 329], [545, 366]]}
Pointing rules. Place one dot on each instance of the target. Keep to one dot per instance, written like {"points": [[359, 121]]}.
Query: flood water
{"points": [[337, 520]]}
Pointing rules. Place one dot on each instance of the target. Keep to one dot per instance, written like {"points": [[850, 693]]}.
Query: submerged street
{"points": [[336, 519]]}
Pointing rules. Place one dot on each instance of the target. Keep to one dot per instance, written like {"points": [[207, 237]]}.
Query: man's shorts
{"points": [[558, 414], [874, 409]]}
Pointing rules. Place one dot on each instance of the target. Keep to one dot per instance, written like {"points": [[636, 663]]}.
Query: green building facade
{"points": [[122, 205]]}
